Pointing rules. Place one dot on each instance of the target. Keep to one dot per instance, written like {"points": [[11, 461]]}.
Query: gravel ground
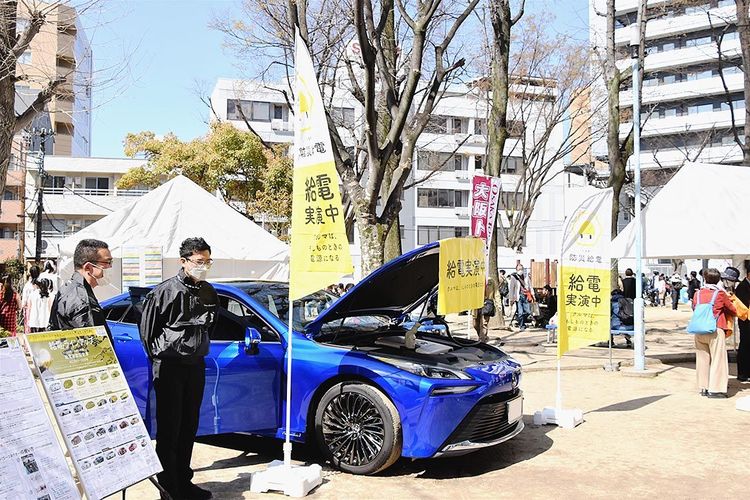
{"points": [[642, 437]]}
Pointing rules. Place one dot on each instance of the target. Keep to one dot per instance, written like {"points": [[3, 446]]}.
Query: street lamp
{"points": [[639, 361]]}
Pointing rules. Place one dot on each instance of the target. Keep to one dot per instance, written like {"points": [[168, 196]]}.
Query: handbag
{"points": [[703, 320]]}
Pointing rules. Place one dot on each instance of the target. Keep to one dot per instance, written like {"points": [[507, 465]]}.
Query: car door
{"points": [[245, 387]]}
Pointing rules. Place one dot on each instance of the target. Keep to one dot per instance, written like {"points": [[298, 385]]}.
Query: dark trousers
{"points": [[675, 298], [179, 392], [743, 352]]}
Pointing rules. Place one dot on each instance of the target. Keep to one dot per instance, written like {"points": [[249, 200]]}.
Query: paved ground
{"points": [[642, 437]]}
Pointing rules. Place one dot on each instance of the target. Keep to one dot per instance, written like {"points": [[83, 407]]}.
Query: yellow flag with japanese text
{"points": [[319, 246], [584, 284], [462, 275]]}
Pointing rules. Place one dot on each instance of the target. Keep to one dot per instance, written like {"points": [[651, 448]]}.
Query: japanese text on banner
{"points": [[485, 193], [462, 275], [584, 294], [319, 246]]}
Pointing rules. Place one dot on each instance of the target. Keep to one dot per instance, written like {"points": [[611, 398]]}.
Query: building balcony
{"points": [[15, 177], [661, 28], [676, 157], [687, 56], [684, 90], [687, 123], [8, 248], [84, 202], [11, 212]]}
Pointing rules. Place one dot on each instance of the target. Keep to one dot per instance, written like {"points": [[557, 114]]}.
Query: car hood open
{"points": [[389, 290]]}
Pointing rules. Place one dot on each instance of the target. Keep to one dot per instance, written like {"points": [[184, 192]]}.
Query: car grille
{"points": [[487, 421]]}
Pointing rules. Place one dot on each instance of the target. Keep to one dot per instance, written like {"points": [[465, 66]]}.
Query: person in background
{"points": [[179, 315], [50, 273], [661, 286], [676, 284], [620, 319], [711, 362], [547, 306], [742, 293], [75, 305], [10, 303], [693, 284], [27, 287], [38, 305], [517, 292], [488, 311], [348, 287], [628, 284]]}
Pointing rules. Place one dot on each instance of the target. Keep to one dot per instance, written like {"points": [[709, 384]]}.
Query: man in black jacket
{"points": [[178, 317], [743, 353], [75, 305]]}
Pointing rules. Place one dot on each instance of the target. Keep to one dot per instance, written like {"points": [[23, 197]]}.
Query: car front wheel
{"points": [[358, 428]]}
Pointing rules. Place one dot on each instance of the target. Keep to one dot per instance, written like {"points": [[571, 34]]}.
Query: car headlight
{"points": [[423, 370]]}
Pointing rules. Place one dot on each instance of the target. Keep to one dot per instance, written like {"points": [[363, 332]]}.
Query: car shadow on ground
{"points": [[254, 450], [532, 441]]}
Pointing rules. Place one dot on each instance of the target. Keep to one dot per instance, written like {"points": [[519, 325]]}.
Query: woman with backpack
{"points": [[711, 362]]}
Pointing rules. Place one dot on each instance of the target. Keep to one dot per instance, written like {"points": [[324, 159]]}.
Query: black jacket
{"points": [[178, 317], [75, 306], [743, 293]]}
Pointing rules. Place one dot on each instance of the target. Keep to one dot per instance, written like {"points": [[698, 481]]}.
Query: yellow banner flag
{"points": [[462, 275], [584, 284], [319, 246]]}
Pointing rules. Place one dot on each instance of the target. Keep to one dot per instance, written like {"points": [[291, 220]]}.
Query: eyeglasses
{"points": [[105, 262], [201, 262]]}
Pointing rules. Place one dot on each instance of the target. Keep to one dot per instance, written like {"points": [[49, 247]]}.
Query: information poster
{"points": [[94, 408], [32, 465], [141, 266]]}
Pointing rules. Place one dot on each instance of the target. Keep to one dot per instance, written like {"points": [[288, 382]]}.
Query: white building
{"points": [[685, 109], [76, 193], [450, 152]]}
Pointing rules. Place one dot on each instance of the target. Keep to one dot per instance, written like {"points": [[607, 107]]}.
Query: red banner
{"points": [[485, 193]]}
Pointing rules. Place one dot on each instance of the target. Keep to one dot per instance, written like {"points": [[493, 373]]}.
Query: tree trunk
{"points": [[743, 28], [372, 239], [7, 127]]}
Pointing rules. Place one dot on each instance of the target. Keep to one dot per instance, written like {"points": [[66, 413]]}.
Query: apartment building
{"points": [[61, 49], [449, 152], [76, 192], [685, 109]]}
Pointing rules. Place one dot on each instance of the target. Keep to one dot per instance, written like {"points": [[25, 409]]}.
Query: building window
{"points": [[480, 126], [510, 200], [97, 185], [436, 124], [428, 234], [511, 165], [261, 111], [433, 161], [278, 112], [442, 198], [343, 117], [25, 58], [9, 195], [478, 160], [457, 125], [54, 181]]}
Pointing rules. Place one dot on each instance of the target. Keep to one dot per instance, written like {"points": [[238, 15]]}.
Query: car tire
{"points": [[358, 428]]}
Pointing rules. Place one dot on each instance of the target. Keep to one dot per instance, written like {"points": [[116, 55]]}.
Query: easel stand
{"points": [[162, 491], [567, 419]]}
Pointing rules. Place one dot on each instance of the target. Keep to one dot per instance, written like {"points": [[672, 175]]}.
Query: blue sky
{"points": [[168, 49]]}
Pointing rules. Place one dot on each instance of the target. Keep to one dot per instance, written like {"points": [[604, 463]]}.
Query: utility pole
{"points": [[43, 134]]}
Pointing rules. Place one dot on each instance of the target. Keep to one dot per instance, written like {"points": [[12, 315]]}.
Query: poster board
{"points": [[141, 266], [94, 409], [32, 465]]}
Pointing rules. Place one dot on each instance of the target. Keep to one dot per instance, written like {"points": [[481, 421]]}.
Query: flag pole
{"points": [[287, 440]]}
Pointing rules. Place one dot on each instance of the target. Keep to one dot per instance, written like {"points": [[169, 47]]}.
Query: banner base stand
{"points": [[611, 367], [567, 419], [293, 480]]}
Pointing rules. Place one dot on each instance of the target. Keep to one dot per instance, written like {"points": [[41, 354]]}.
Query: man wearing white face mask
{"points": [[75, 305], [178, 317]]}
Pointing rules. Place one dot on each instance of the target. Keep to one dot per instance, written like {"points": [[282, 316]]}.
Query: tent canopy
{"points": [[181, 209], [697, 215]]}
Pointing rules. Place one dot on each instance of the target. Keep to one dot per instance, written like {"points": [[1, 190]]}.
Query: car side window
{"points": [[234, 317], [116, 311]]}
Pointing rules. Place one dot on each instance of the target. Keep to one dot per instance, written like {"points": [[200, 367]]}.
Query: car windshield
{"points": [[275, 298]]}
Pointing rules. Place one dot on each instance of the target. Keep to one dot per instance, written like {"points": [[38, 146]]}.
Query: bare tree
{"points": [[548, 115], [21, 22], [405, 59]]}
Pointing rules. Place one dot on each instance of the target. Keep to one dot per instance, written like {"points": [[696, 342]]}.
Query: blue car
{"points": [[358, 391]]}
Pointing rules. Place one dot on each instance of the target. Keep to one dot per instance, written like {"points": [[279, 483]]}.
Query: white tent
{"points": [[175, 211], [699, 214]]}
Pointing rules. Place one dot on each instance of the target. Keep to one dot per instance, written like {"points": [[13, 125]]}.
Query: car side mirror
{"points": [[252, 339]]}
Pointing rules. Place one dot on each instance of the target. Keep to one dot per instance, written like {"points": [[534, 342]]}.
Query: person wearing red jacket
{"points": [[711, 362]]}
